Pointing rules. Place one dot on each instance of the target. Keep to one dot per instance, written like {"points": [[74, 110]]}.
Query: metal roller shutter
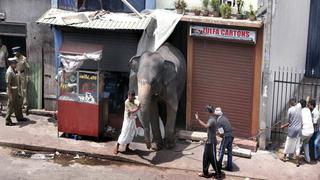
{"points": [[118, 48], [223, 76]]}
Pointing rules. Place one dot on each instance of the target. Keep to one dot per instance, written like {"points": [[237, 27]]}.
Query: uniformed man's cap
{"points": [[13, 60], [16, 49]]}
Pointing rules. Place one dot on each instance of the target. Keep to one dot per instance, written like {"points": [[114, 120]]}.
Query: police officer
{"points": [[22, 70], [14, 97]]}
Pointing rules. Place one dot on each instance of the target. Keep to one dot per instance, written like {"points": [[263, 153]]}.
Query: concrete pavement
{"points": [[63, 167], [40, 134]]}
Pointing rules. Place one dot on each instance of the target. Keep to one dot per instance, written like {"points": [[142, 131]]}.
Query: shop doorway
{"points": [[116, 88], [10, 42]]}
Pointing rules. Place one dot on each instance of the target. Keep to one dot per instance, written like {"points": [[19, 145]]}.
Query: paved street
{"points": [[14, 167], [40, 134]]}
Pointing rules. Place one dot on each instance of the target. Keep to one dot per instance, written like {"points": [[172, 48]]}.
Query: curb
{"points": [[100, 156], [72, 152]]}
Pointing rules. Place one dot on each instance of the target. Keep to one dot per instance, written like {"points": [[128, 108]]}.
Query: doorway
{"points": [[10, 42]]}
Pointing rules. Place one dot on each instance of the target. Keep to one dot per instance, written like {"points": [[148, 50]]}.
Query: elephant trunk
{"points": [[144, 96]]}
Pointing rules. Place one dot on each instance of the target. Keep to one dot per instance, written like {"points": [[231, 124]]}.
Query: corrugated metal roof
{"points": [[113, 21]]}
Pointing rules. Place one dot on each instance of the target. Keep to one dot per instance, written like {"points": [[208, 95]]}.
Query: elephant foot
{"points": [[170, 143]]}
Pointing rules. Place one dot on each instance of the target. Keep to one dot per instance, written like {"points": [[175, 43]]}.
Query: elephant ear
{"points": [[170, 72], [134, 63]]}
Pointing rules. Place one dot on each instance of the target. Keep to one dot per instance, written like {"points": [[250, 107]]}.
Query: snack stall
{"points": [[82, 103]]}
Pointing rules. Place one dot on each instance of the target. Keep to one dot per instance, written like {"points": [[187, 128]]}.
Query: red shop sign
{"points": [[223, 33]]}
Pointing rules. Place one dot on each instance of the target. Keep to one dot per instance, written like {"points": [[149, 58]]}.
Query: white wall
{"points": [[161, 4], [289, 34]]}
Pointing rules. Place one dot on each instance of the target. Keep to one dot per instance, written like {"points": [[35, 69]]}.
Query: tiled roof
{"points": [[110, 21]]}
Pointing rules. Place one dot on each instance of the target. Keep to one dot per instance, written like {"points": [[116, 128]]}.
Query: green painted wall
{"points": [[35, 85]]}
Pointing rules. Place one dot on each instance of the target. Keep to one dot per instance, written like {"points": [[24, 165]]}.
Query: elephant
{"points": [[159, 79]]}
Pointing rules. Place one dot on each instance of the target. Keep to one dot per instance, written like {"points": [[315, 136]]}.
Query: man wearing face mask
{"points": [[225, 131]]}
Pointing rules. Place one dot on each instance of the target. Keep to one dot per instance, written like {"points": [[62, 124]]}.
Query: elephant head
{"points": [[151, 75]]}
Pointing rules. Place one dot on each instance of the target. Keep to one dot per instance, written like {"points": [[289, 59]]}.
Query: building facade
{"points": [[19, 28]]}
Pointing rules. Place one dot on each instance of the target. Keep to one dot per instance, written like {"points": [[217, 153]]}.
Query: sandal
{"points": [[284, 159], [204, 175]]}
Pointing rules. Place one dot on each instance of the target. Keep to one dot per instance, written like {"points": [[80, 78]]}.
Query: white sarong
{"points": [[128, 130], [292, 146]]}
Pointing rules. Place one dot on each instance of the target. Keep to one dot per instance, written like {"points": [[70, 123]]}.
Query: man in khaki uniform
{"points": [[23, 72], [3, 65], [14, 97]]}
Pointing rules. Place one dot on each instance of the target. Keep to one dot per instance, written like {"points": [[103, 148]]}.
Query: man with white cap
{"points": [[23, 72], [14, 98], [225, 131]]}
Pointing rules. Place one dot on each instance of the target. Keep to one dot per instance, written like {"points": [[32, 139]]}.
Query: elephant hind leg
{"points": [[170, 135]]}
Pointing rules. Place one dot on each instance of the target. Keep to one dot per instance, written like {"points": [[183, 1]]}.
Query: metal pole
{"points": [[131, 8]]}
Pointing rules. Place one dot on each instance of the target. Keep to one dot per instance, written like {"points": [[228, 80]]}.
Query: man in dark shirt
{"points": [[209, 154], [225, 131]]}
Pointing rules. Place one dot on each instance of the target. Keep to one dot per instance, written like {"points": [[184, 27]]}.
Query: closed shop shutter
{"points": [[223, 76], [118, 48]]}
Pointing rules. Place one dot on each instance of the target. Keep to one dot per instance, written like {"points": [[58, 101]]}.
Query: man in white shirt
{"points": [[315, 139], [307, 128]]}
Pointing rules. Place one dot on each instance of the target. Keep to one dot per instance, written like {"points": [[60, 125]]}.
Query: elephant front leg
{"points": [[155, 126], [146, 128]]}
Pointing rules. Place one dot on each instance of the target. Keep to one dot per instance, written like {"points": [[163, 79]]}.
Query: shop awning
{"points": [[95, 20], [74, 53]]}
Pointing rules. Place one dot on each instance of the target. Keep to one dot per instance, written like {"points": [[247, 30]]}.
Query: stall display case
{"points": [[81, 104]]}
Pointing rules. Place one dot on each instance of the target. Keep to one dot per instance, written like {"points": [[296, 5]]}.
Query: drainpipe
{"points": [[54, 3], [266, 81]]}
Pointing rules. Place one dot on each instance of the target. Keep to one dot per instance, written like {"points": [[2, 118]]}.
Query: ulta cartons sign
{"points": [[224, 33]]}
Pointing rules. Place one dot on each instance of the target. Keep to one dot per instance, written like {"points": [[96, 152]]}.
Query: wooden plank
{"points": [[192, 135], [257, 84], [202, 136], [189, 83], [241, 152]]}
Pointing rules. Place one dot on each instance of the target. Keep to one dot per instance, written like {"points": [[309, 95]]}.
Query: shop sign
{"points": [[88, 83], [223, 33]]}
